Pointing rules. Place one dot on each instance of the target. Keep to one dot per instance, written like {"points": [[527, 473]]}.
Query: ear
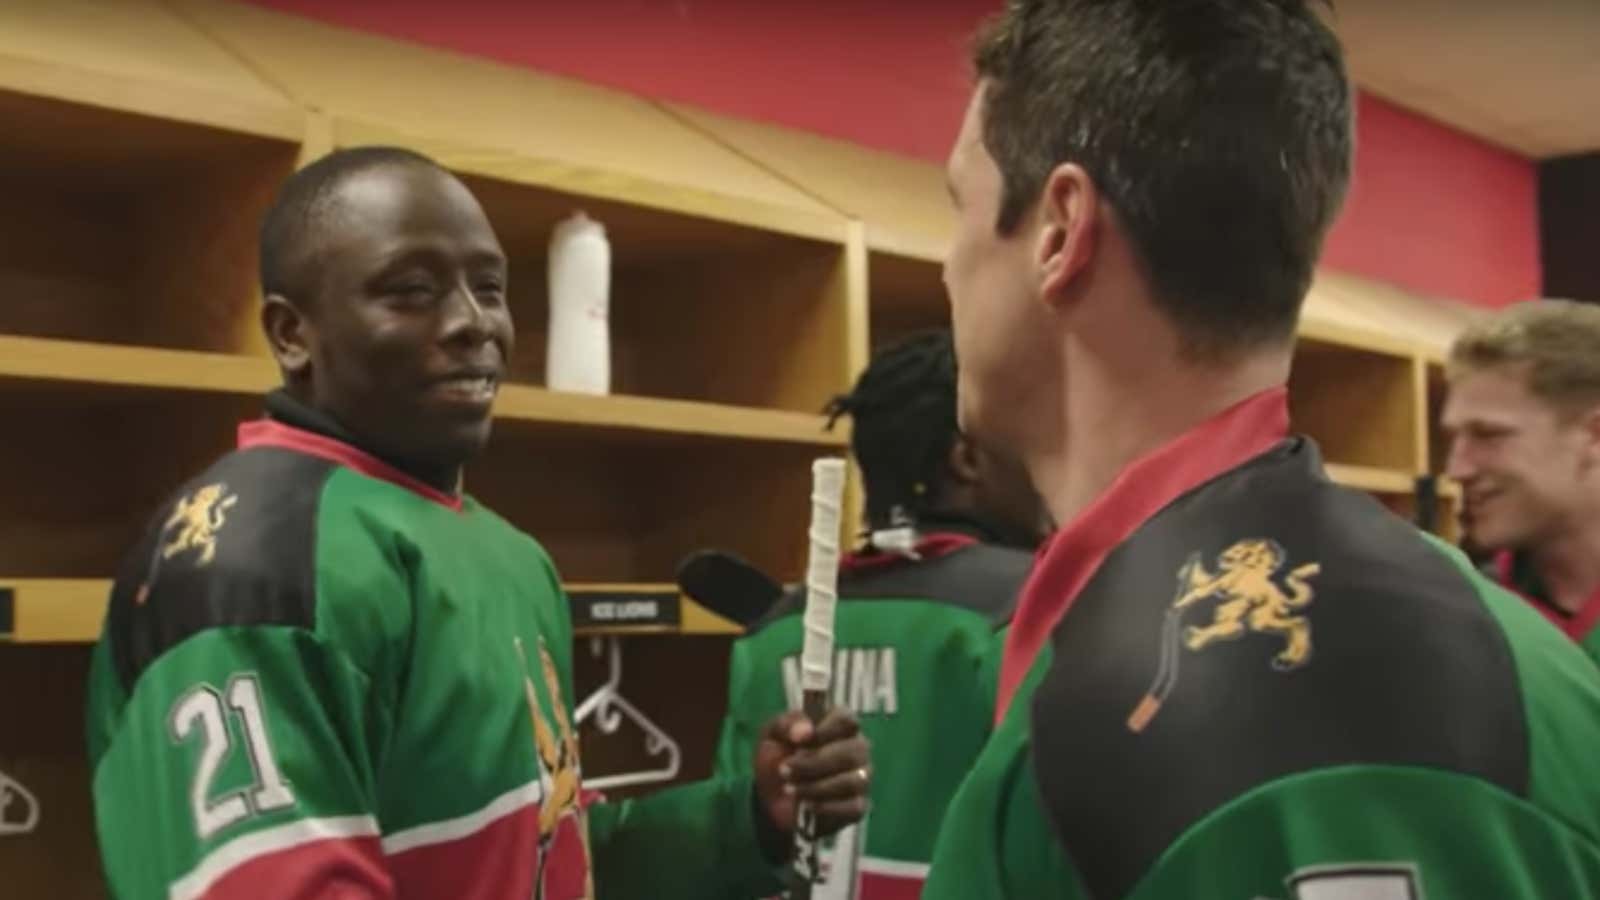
{"points": [[963, 461], [1590, 423], [1069, 211], [290, 333]]}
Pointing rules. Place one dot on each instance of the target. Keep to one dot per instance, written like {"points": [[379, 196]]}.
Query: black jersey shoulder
{"points": [[233, 546], [981, 578], [1402, 664]]}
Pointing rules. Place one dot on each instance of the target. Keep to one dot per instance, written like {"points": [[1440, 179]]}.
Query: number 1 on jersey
{"points": [[202, 708]]}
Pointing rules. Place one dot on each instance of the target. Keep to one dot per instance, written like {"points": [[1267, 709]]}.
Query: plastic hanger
{"points": [[608, 708], [10, 791]]}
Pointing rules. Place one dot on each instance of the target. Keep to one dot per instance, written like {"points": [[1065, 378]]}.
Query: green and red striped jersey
{"points": [[1233, 679], [320, 677], [916, 649]]}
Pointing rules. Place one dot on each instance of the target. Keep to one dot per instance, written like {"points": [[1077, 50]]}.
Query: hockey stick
{"points": [[1167, 668], [728, 585], [816, 654]]}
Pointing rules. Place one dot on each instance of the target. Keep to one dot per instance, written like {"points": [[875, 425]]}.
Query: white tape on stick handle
{"points": [[822, 573]]}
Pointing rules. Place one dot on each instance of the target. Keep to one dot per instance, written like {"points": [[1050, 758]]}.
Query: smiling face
{"points": [[1524, 467], [405, 333]]}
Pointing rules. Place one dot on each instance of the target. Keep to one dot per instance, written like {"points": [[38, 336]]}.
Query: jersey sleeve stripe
{"points": [[894, 868], [875, 886], [246, 848], [891, 879], [464, 826]]}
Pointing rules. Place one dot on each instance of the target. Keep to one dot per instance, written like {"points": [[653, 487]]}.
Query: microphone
{"points": [[728, 585]]}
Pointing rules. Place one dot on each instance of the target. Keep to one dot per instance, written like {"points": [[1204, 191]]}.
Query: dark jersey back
{"points": [[1233, 642]]}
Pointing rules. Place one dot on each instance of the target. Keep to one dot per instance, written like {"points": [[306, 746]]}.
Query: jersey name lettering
{"points": [[863, 680]]}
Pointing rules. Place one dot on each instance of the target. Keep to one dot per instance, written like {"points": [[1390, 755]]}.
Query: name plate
{"points": [[622, 608]]}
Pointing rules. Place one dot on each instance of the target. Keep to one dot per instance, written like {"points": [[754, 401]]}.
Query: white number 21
{"points": [[202, 708]]}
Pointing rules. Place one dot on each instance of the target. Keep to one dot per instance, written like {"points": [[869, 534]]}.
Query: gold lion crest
{"points": [[1249, 600], [561, 776], [197, 519], [192, 528]]}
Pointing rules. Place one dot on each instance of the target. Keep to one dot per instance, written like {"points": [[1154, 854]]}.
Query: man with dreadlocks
{"points": [[949, 531]]}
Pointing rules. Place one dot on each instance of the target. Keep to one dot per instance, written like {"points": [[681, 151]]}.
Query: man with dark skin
{"points": [[949, 533], [363, 673]]}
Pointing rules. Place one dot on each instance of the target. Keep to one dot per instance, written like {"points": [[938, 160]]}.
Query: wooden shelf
{"points": [[133, 56], [523, 126], [699, 310], [136, 160], [1377, 314], [617, 488], [52, 610], [901, 201], [81, 363], [72, 610], [907, 295], [1361, 405], [1371, 479]]}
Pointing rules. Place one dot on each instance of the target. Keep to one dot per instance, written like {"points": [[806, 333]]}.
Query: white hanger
{"points": [[609, 708], [11, 790]]}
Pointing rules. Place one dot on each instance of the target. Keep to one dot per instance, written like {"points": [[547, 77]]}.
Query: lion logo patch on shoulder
{"points": [[192, 528], [197, 519], [1249, 598]]}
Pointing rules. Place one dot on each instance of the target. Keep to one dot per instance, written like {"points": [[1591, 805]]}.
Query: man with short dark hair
{"points": [[328, 672], [1227, 677], [950, 531], [1523, 416]]}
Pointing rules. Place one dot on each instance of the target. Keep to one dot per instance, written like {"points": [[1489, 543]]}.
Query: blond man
{"points": [[1523, 416]]}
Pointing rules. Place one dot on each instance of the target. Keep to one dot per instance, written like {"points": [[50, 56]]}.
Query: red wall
{"points": [[1431, 210], [1437, 212]]}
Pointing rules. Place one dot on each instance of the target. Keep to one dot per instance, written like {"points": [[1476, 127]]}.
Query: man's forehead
{"points": [[375, 193], [1494, 395], [382, 203], [968, 138]]}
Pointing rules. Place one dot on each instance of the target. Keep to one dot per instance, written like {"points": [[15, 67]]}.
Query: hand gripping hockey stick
{"points": [[816, 654]]}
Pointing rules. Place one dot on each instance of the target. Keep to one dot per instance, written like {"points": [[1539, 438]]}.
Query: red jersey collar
{"points": [[1065, 564], [1577, 625], [272, 433]]}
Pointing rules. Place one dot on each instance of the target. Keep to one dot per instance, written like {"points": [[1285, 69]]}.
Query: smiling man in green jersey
{"points": [[328, 672]]}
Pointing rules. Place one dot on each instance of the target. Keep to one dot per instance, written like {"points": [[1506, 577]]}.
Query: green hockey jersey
{"points": [[1231, 679], [915, 657], [1515, 572], [320, 677]]}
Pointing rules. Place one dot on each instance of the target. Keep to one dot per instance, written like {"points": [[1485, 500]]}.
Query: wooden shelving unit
{"points": [[144, 141], [902, 204], [72, 610], [754, 269], [1365, 384]]}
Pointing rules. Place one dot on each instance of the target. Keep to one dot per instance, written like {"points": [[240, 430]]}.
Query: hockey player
{"points": [[1523, 414], [1227, 676], [950, 534], [327, 672]]}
